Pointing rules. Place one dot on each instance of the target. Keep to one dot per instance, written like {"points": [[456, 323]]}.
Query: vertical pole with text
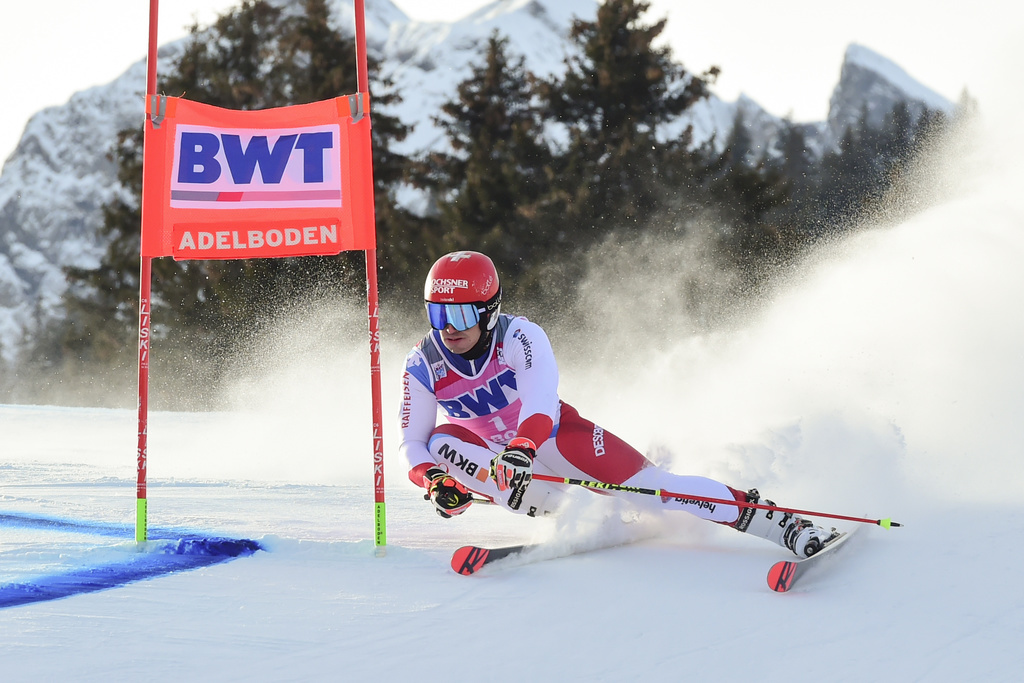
{"points": [[372, 301], [145, 319]]}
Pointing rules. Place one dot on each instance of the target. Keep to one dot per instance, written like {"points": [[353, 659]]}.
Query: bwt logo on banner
{"points": [[221, 168]]}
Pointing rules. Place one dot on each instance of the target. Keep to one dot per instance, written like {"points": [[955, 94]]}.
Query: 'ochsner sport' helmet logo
{"points": [[447, 285]]}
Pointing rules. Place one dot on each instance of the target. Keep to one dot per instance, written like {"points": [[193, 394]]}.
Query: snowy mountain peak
{"points": [[380, 16], [557, 13], [894, 74], [871, 83]]}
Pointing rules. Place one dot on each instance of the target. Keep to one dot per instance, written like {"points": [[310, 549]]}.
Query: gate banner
{"points": [[226, 184]]}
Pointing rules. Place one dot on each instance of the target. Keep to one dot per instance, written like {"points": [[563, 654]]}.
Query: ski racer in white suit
{"points": [[493, 380]]}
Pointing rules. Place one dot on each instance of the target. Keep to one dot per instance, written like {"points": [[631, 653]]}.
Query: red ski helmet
{"points": [[462, 289]]}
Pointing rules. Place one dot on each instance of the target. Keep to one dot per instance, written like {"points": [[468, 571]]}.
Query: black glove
{"points": [[449, 497], [513, 467]]}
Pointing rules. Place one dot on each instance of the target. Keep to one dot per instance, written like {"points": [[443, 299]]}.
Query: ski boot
{"points": [[790, 531]]}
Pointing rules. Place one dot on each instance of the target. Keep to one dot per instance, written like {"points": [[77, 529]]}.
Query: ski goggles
{"points": [[460, 316]]}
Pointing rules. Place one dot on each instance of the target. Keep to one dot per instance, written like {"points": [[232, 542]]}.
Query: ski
{"points": [[785, 573], [470, 559]]}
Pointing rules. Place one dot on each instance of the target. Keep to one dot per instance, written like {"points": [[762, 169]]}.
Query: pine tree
{"points": [[252, 57], [856, 179], [99, 310], [499, 168], [748, 194], [235, 63], [617, 89], [847, 178], [796, 162]]}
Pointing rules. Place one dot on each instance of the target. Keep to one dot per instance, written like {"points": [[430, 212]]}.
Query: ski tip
{"points": [[468, 559], [781, 575]]}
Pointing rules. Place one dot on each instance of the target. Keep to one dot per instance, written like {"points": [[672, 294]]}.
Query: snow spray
{"points": [[886, 366]]}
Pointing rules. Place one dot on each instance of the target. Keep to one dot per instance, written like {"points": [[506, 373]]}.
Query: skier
{"points": [[495, 378]]}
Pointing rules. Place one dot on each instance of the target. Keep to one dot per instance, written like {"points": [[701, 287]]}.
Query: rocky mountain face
{"points": [[53, 186], [873, 85], [51, 191]]}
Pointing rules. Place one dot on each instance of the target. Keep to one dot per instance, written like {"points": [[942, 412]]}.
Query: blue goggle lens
{"points": [[460, 316]]}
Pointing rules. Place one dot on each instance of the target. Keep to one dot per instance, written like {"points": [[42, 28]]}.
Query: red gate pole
{"points": [[372, 302], [145, 311]]}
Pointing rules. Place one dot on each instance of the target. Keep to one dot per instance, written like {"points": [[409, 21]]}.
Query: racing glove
{"points": [[513, 467], [449, 497]]}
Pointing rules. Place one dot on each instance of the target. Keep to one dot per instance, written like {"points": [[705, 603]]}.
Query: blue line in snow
{"points": [[56, 524], [157, 557]]}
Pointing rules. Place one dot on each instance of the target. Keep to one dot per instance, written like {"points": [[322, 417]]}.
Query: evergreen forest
{"points": [[501, 187]]}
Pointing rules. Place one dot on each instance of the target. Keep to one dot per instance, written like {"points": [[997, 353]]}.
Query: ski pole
{"points": [[602, 486]]}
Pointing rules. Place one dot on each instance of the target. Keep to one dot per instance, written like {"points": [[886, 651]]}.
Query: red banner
{"points": [[225, 184]]}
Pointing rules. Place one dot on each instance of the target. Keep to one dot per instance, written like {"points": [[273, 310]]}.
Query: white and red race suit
{"points": [[512, 391]]}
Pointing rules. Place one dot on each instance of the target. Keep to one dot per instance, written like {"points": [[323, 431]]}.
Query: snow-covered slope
{"points": [[52, 187]]}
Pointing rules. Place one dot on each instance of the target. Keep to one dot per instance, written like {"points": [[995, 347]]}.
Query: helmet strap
{"points": [[492, 308]]}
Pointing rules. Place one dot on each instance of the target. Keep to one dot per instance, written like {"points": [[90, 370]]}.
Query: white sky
{"points": [[786, 55]]}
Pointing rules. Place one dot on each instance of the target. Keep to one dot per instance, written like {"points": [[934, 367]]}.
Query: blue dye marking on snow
{"points": [[69, 525], [165, 553]]}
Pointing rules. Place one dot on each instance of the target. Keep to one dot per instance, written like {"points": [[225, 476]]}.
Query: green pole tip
{"points": [[888, 523], [141, 520]]}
